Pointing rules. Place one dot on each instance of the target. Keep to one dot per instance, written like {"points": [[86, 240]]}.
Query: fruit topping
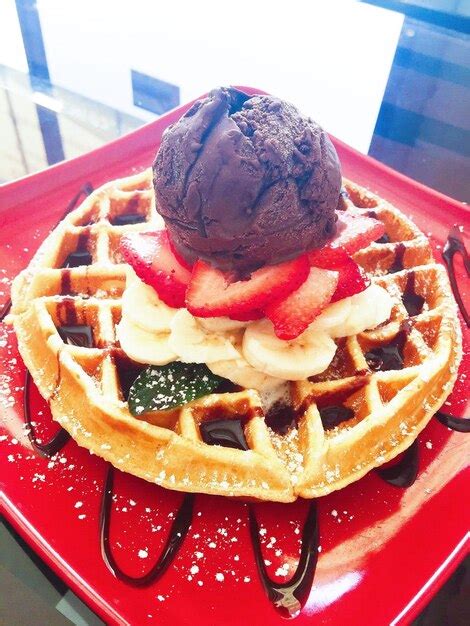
{"points": [[355, 231], [292, 315], [153, 261], [351, 278], [214, 293]]}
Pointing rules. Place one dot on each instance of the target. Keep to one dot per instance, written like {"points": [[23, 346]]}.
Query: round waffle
{"points": [[67, 304]]}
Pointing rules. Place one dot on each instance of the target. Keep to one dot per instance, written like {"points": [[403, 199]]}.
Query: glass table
{"points": [[73, 76]]}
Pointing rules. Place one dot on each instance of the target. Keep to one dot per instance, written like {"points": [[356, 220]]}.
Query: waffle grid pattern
{"points": [[86, 386]]}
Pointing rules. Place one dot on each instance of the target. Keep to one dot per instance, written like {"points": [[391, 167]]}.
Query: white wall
{"points": [[331, 58]]}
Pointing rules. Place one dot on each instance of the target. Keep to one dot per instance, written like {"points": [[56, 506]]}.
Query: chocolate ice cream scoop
{"points": [[245, 181]]}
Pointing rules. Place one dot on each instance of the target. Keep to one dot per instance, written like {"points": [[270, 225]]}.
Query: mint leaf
{"points": [[163, 387]]}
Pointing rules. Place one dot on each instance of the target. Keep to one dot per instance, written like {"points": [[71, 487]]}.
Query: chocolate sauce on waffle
{"points": [[405, 471], [281, 417], [224, 432], [332, 416], [460, 424], [65, 283], [289, 598], [66, 311], [455, 245], [127, 371], [384, 239], [80, 336], [179, 529], [56, 443], [412, 301], [397, 264], [389, 356], [81, 255]]}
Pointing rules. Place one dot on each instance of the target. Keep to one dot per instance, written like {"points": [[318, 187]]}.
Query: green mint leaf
{"points": [[163, 387]]}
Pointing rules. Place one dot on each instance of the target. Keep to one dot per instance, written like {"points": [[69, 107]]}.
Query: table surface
{"points": [[394, 84]]}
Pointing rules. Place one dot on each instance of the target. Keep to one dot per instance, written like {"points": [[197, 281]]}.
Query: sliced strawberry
{"points": [[292, 315], [355, 231], [249, 316], [351, 279], [153, 261], [212, 293]]}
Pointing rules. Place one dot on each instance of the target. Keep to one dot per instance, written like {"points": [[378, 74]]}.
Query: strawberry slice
{"points": [[212, 293], [351, 279], [292, 315], [249, 316], [355, 231], [153, 261]]}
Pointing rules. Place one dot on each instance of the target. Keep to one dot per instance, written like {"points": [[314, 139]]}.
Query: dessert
{"points": [[195, 359]]}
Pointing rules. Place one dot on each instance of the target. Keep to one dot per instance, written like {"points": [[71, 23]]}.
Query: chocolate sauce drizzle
{"points": [[460, 424], [412, 301], [289, 598], [397, 264], [56, 443], [224, 432], [389, 356], [405, 471], [455, 245], [179, 529]]}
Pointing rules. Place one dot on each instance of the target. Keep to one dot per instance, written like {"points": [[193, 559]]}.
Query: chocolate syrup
{"points": [[224, 432], [5, 309], [80, 336], [56, 443], [289, 598], [332, 416], [455, 244], [384, 239], [179, 529], [281, 417], [389, 356], [412, 301], [66, 311], [81, 256], [127, 372], [397, 264], [128, 218], [405, 471], [65, 283], [460, 424]]}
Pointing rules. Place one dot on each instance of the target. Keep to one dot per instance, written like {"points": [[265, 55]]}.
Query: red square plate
{"points": [[383, 550]]}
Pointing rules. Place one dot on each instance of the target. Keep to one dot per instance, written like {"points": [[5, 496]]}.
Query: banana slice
{"points": [[142, 306], [193, 344], [142, 346], [220, 324], [240, 372], [305, 356], [334, 315], [369, 308]]}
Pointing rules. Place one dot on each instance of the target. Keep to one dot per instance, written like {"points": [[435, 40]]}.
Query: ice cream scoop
{"points": [[242, 181]]}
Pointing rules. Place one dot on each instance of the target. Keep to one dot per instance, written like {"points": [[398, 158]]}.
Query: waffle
{"points": [[77, 278]]}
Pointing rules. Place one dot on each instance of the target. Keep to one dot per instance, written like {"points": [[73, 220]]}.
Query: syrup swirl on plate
{"points": [[289, 598], [455, 245], [405, 471], [179, 529]]}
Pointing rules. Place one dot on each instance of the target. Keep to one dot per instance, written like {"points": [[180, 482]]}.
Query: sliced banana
{"points": [[369, 308], [334, 315], [142, 306], [220, 324], [240, 372], [143, 346], [305, 356], [193, 344]]}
